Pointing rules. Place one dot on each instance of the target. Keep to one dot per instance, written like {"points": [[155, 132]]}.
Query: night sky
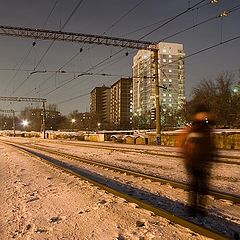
{"points": [[119, 18]]}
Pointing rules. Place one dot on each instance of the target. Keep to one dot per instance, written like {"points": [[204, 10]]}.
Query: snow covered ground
{"points": [[38, 202]]}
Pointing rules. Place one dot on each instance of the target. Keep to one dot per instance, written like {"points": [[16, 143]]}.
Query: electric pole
{"points": [[156, 82]]}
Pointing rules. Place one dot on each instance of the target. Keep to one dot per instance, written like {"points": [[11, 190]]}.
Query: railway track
{"points": [[217, 194], [103, 184], [221, 158]]}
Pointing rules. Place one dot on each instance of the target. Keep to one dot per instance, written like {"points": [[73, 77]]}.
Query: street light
{"points": [[25, 123], [235, 88], [73, 120]]}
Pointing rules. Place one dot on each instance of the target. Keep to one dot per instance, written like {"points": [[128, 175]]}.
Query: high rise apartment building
{"points": [[100, 105], [111, 107], [170, 73], [121, 104]]}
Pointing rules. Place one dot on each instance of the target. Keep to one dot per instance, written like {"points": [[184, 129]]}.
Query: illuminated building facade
{"points": [[171, 76]]}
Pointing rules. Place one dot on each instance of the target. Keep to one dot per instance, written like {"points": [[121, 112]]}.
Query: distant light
{"points": [[25, 123], [235, 88], [224, 14], [73, 120], [214, 1]]}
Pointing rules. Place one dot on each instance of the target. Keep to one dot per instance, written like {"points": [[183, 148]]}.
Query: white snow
{"points": [[39, 202]]}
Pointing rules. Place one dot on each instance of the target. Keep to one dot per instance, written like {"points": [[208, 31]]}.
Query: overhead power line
{"points": [[43, 36], [45, 53], [33, 45], [172, 19], [66, 22], [111, 26], [213, 46], [188, 56], [71, 15], [49, 15], [203, 22], [123, 16], [19, 68], [101, 62], [118, 52], [74, 37], [161, 21]]}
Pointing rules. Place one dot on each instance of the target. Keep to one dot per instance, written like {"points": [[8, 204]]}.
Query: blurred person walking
{"points": [[198, 150]]}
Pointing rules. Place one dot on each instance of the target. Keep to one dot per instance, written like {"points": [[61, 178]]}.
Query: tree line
{"points": [[220, 95]]}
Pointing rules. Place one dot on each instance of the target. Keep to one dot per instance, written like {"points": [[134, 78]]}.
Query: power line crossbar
{"points": [[75, 37]]}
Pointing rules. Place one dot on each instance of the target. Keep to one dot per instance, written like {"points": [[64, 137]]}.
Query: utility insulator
{"points": [[153, 113]]}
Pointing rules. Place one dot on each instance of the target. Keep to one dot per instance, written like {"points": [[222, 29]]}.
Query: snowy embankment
{"points": [[39, 202]]}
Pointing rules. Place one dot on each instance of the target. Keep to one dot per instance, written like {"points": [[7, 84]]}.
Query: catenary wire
{"points": [[217, 16], [160, 21], [175, 17], [123, 16], [172, 19], [203, 22], [188, 56], [70, 80], [34, 43], [47, 50], [31, 48], [112, 25]]}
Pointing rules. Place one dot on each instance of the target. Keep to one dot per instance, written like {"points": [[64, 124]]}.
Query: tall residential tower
{"points": [[121, 104], [100, 105], [171, 76]]}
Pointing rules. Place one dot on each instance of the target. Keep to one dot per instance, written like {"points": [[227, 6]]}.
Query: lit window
{"points": [[170, 95], [164, 99], [164, 94], [170, 105], [169, 70], [164, 80], [170, 56], [170, 80], [164, 110], [170, 60], [170, 100], [164, 60], [164, 50]]}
